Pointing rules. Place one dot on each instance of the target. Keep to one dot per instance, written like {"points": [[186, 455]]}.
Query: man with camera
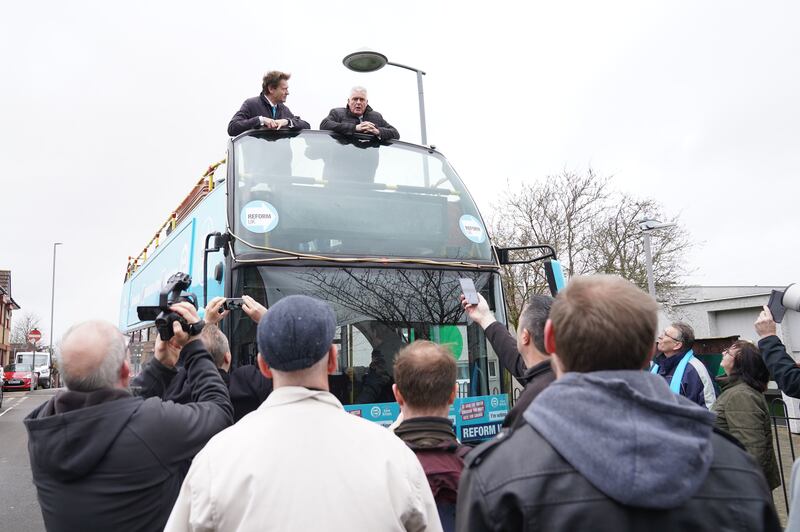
{"points": [[103, 459], [246, 385]]}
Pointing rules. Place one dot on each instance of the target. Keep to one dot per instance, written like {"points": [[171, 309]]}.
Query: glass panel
{"points": [[378, 312], [318, 193]]}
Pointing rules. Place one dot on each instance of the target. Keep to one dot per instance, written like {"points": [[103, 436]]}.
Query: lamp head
{"points": [[649, 224], [365, 61]]}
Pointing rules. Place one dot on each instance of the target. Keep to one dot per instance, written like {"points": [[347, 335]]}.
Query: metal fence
{"points": [[785, 450]]}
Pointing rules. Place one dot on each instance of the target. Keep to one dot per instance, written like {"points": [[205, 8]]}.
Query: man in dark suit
{"points": [[268, 109], [359, 117]]}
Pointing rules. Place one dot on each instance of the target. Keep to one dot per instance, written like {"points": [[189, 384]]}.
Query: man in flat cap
{"points": [[300, 462]]}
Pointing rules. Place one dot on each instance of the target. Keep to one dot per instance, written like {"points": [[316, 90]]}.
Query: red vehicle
{"points": [[18, 377]]}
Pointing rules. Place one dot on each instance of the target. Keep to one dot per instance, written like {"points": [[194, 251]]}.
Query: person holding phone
{"points": [[525, 357], [782, 367]]}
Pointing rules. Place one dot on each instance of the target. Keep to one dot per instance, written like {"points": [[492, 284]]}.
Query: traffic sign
{"points": [[34, 336]]}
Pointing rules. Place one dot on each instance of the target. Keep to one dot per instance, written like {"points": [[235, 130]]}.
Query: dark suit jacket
{"points": [[247, 117], [534, 379], [341, 120]]}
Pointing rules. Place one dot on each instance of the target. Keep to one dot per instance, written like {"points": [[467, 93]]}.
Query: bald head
{"points": [[425, 374], [91, 356]]}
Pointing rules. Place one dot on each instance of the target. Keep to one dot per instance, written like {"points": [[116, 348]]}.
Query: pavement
{"points": [[19, 508]]}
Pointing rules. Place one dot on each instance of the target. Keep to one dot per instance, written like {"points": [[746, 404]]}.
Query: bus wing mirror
{"points": [[214, 242], [524, 254]]}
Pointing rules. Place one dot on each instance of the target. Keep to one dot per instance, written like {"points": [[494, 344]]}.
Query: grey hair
{"points": [[358, 88], [686, 333], [216, 343], [534, 316], [106, 374]]}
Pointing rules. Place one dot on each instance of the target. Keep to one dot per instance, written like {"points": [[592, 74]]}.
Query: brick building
{"points": [[7, 305]]}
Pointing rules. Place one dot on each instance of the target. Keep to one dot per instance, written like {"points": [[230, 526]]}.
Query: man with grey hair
{"points": [[103, 459], [674, 363], [359, 117], [524, 357], [300, 462], [607, 446]]}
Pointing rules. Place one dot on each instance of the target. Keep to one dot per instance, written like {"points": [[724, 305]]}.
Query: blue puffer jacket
{"points": [[691, 385]]}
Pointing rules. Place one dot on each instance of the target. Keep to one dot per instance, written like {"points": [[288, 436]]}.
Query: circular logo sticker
{"points": [[375, 411], [472, 228], [494, 402], [259, 217]]}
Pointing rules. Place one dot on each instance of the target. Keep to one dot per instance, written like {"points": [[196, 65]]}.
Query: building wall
{"points": [[735, 313], [7, 305], [5, 329]]}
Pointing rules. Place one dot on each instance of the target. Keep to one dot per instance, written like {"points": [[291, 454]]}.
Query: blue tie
{"points": [[274, 107]]}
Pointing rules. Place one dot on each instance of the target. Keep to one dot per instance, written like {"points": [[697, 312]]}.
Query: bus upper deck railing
{"points": [[199, 191]]}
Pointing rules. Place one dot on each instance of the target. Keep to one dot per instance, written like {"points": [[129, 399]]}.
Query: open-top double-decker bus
{"points": [[382, 231]]}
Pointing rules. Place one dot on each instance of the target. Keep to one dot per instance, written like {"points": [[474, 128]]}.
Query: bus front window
{"points": [[379, 311], [319, 193]]}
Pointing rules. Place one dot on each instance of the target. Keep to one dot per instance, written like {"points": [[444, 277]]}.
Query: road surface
{"points": [[19, 509]]}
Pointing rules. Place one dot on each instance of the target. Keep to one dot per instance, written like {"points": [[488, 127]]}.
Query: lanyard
{"points": [[677, 377]]}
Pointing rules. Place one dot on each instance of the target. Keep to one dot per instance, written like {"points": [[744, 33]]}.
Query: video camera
{"points": [[173, 292], [780, 300]]}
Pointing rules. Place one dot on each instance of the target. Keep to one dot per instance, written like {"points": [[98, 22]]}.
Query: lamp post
{"points": [[370, 61], [52, 302], [647, 226]]}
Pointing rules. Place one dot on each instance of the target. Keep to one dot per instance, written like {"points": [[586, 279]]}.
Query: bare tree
{"points": [[27, 322], [618, 246], [556, 211], [592, 228]]}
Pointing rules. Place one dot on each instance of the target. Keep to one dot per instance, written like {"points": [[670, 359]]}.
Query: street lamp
{"points": [[370, 61], [52, 302], [648, 225]]}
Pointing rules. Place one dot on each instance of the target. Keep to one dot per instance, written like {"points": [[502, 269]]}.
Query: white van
{"points": [[42, 364]]}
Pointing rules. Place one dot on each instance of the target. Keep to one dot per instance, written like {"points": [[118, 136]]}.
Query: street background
{"points": [[19, 508], [109, 113]]}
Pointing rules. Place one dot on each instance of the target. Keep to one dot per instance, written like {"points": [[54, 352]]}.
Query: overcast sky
{"points": [[109, 114]]}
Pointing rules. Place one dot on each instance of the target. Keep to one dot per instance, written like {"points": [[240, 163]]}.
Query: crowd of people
{"points": [[617, 426], [611, 430]]}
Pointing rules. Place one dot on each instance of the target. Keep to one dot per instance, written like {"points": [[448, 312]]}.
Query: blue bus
{"points": [[382, 231]]}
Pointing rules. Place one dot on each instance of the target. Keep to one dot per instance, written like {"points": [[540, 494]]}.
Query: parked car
{"points": [[42, 364], [18, 377]]}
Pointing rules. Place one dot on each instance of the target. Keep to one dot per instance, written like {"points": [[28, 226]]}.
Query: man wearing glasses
{"points": [[677, 364]]}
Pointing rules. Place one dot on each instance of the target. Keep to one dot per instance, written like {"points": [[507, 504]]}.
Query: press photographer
{"points": [[103, 459]]}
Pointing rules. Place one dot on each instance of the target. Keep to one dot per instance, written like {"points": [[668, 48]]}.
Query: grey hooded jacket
{"points": [[106, 460], [613, 450]]}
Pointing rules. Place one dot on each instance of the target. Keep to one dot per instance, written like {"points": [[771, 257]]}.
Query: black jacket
{"points": [[107, 460], [781, 366], [246, 117], [247, 387], [534, 379], [341, 120], [610, 451]]}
